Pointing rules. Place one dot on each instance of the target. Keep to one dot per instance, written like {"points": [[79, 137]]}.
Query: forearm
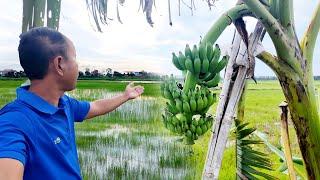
{"points": [[103, 106]]}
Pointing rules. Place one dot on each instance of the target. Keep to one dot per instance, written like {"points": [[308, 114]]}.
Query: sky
{"points": [[135, 45]]}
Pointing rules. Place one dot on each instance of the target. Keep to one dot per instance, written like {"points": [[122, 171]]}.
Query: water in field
{"points": [[130, 143]]}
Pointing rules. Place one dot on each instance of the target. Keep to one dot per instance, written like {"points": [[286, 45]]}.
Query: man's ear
{"points": [[58, 65]]}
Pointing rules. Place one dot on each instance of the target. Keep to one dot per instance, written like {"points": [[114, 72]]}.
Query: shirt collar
{"points": [[37, 102]]}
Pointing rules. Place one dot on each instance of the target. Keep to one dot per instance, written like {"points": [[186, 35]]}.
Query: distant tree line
{"points": [[113, 75], [10, 73], [94, 74]]}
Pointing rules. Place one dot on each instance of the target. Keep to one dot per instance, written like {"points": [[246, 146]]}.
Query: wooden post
{"points": [[285, 139], [231, 92]]}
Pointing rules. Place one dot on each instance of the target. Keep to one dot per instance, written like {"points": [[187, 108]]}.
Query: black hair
{"points": [[37, 47]]}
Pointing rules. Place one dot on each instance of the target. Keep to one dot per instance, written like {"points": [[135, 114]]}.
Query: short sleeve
{"points": [[79, 109], [12, 140]]}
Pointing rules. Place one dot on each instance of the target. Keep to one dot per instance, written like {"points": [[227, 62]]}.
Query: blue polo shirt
{"points": [[41, 136]]}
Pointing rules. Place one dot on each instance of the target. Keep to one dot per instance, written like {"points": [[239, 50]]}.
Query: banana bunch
{"points": [[172, 92], [185, 113], [175, 123], [204, 62], [197, 101], [190, 127], [198, 127], [186, 107]]}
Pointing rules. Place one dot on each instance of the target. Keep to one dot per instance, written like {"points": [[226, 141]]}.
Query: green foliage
{"points": [[247, 158], [297, 162]]}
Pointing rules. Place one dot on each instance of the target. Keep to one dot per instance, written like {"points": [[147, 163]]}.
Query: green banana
{"points": [[186, 107], [197, 65], [193, 104], [204, 128], [172, 108], [199, 131], [179, 105], [182, 60], [174, 120], [189, 65], [184, 97], [222, 63], [199, 104], [208, 76], [210, 99], [195, 123], [189, 134], [175, 61], [184, 127], [209, 51], [170, 127], [213, 82], [179, 129], [216, 52], [213, 65], [175, 94], [205, 101], [167, 94], [188, 51], [172, 102], [193, 128], [202, 51], [195, 52], [190, 93], [201, 121], [182, 118], [205, 65]]}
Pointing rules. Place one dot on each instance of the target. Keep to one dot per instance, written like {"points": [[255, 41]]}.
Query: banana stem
{"points": [[225, 20], [189, 82]]}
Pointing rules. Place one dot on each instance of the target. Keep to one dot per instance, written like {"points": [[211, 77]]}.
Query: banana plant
{"points": [[292, 65], [34, 14]]}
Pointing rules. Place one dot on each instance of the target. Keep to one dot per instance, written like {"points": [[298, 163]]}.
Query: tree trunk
{"points": [[304, 114]]}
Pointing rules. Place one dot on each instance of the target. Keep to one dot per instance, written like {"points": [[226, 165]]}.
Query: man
{"points": [[37, 139]]}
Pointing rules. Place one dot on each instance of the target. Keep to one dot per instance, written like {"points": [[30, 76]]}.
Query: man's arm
{"points": [[11, 169], [103, 106]]}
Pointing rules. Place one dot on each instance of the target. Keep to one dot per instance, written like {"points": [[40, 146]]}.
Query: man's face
{"points": [[71, 73]]}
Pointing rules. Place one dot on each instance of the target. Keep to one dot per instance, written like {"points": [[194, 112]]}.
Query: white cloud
{"points": [[134, 45]]}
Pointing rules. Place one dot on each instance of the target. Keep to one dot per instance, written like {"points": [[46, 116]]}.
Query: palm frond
{"points": [[297, 161], [98, 9], [249, 162]]}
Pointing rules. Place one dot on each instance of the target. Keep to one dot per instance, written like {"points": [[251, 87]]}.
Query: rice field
{"points": [[132, 143]]}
